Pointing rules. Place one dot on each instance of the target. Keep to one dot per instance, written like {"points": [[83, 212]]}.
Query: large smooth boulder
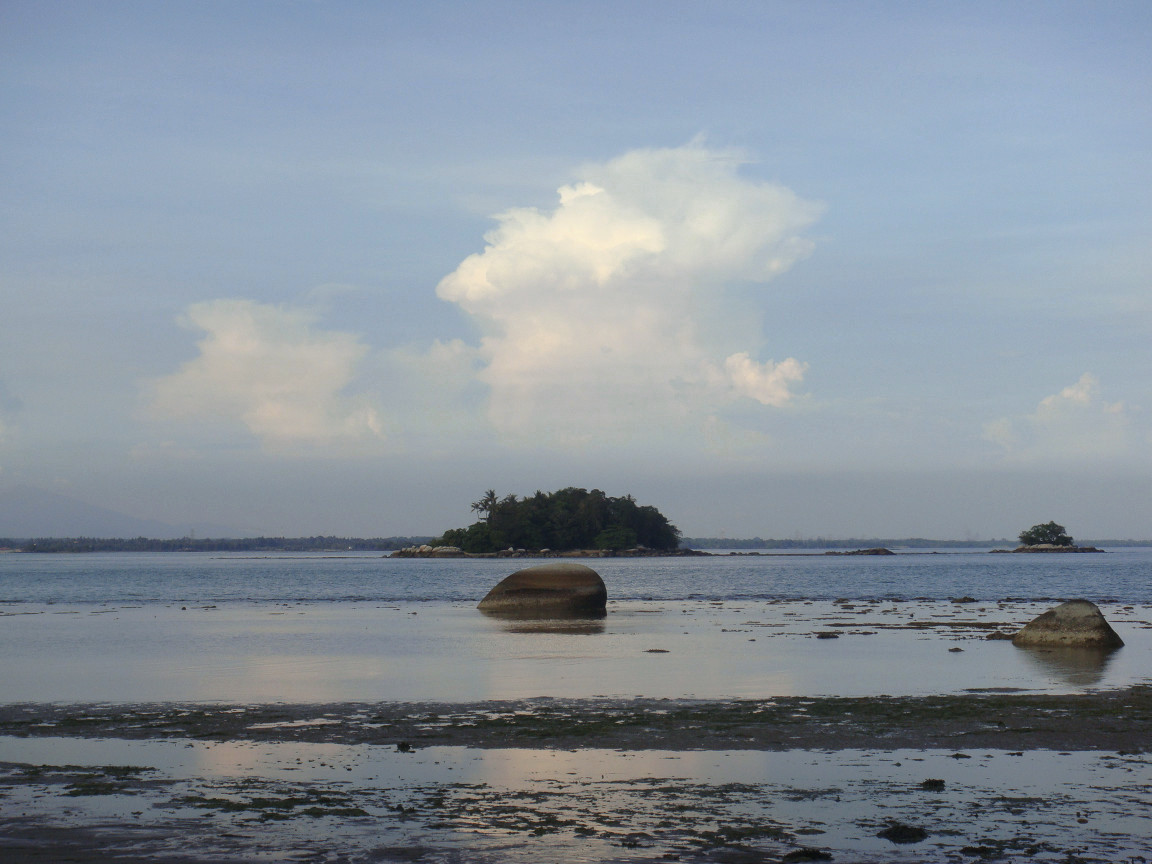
{"points": [[1075, 624], [561, 589]]}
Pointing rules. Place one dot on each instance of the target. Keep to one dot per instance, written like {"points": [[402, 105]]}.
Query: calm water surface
{"points": [[128, 628], [1120, 576], [203, 627]]}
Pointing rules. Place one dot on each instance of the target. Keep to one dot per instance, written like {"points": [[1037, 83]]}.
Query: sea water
{"points": [[1123, 575], [121, 628], [362, 627]]}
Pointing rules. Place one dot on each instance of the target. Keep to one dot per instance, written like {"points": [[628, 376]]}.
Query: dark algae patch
{"points": [[1117, 720], [898, 832], [285, 805], [78, 781]]}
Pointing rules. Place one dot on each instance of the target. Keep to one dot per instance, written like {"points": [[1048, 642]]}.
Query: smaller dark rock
{"points": [[898, 832], [636, 840], [932, 785], [806, 854], [827, 634]]}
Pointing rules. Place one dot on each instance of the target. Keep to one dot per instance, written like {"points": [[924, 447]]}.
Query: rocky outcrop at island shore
{"points": [[427, 551], [1050, 547], [1075, 624], [879, 550], [548, 590]]}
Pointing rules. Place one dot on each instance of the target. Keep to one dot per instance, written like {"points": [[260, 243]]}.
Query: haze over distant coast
{"points": [[27, 513]]}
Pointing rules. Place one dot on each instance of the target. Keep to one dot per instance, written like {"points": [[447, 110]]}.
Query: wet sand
{"points": [[951, 778]]}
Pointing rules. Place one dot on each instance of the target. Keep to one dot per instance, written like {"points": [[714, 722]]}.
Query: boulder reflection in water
{"points": [[577, 625], [1077, 667]]}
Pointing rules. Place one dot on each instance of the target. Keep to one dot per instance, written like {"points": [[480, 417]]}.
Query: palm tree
{"points": [[486, 504]]}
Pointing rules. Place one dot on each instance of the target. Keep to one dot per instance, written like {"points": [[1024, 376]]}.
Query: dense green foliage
{"points": [[188, 544], [1049, 532], [569, 519]]}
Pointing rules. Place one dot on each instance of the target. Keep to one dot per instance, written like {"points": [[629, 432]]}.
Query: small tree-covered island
{"points": [[567, 521], [1050, 537]]}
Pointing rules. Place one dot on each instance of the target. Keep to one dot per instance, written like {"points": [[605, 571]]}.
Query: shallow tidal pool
{"points": [[368, 652]]}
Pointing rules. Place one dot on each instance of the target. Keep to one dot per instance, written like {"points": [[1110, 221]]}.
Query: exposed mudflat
{"points": [[1113, 720], [178, 800], [968, 777]]}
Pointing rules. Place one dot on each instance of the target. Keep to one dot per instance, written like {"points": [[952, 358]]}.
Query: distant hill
{"points": [[330, 544], [26, 512]]}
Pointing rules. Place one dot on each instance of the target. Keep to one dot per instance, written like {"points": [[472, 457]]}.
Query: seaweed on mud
{"points": [[833, 792], [123, 770], [1092, 721], [72, 723], [1018, 805], [98, 787], [730, 834], [309, 802], [108, 780]]}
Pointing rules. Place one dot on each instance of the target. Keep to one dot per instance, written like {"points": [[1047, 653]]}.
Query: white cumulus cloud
{"points": [[767, 383], [269, 369], [590, 310], [1075, 425]]}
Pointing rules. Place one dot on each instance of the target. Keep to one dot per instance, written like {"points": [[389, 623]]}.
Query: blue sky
{"points": [[845, 269]]}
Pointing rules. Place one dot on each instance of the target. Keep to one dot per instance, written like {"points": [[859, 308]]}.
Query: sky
{"points": [[780, 269]]}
